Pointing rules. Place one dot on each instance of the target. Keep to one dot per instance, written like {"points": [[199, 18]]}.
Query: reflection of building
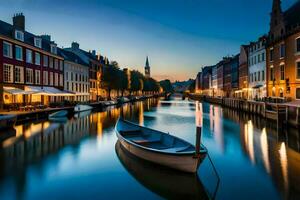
{"points": [[76, 73], [30, 69], [257, 68], [283, 52]]}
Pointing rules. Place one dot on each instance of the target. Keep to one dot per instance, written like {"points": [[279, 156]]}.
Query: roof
{"points": [[70, 56], [292, 16], [7, 30]]}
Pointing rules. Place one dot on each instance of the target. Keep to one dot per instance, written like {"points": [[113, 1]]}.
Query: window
{"points": [[29, 75], [56, 79], [37, 58], [7, 50], [8, 73], [61, 80], [258, 76], [19, 74], [45, 61], [298, 70], [298, 44], [255, 76], [297, 93], [55, 64], [263, 57], [282, 50], [263, 75], [51, 78], [282, 72], [271, 54], [45, 77], [28, 56], [53, 48], [61, 65], [38, 42], [37, 77], [258, 58], [19, 53], [50, 62], [271, 74], [19, 35]]}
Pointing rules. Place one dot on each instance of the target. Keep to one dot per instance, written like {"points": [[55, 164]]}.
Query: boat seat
{"points": [[132, 132], [177, 149], [145, 141]]}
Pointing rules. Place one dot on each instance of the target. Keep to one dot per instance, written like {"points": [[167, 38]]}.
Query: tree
{"points": [[167, 86]]}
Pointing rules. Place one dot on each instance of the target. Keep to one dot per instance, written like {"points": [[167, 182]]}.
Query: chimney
{"points": [[75, 46], [19, 21], [46, 37]]}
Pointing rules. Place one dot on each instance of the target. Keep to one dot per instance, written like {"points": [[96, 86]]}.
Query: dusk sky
{"points": [[179, 36]]}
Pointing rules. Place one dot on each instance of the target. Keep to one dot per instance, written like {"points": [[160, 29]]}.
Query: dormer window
{"points": [[19, 35], [53, 49], [38, 42]]}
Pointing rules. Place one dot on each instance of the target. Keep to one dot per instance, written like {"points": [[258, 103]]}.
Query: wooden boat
{"points": [[81, 108], [163, 181], [59, 114], [159, 147], [7, 121]]}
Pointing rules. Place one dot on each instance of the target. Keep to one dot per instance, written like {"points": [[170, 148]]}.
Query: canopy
{"points": [[257, 86], [48, 91], [15, 91]]}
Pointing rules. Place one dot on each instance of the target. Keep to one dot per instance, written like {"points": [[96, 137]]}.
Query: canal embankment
{"points": [[36, 114], [281, 113]]}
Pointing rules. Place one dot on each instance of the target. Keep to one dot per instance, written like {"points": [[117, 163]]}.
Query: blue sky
{"points": [[179, 36]]}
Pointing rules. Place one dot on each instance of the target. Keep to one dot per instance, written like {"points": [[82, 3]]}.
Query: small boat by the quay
{"points": [[59, 114], [81, 108], [160, 148], [7, 121], [82, 114], [122, 100], [163, 181]]}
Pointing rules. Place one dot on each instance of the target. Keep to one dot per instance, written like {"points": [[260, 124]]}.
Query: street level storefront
{"points": [[15, 98]]}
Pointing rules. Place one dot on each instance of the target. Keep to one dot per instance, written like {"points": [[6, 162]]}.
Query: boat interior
{"points": [[154, 139]]}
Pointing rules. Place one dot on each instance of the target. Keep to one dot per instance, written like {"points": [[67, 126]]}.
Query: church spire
{"points": [[147, 68]]}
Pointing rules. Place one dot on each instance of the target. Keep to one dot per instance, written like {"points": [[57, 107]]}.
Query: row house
{"points": [[220, 79], [214, 81], [76, 76], [31, 71], [257, 69], [95, 70], [243, 72], [283, 52], [198, 83], [206, 78], [227, 76]]}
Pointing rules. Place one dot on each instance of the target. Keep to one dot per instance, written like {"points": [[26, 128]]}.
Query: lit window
{"points": [[37, 77], [19, 74], [28, 56], [19, 53], [282, 72], [37, 58], [29, 76], [19, 35], [7, 50], [7, 73], [38, 42]]}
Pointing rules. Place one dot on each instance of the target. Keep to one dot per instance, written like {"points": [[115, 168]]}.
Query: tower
{"points": [[147, 68], [277, 26]]}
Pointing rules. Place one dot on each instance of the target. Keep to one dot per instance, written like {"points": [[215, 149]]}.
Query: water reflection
{"points": [[169, 184]]}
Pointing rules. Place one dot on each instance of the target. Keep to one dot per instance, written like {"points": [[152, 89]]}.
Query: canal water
{"points": [[79, 158]]}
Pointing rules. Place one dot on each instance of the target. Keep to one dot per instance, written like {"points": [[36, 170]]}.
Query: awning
{"points": [[15, 91], [48, 91], [82, 94]]}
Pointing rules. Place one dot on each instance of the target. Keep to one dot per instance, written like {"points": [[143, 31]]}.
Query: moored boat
{"points": [[159, 147], [59, 114], [81, 108], [7, 121]]}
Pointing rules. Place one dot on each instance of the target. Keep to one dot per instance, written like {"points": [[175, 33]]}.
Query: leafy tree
{"points": [[166, 85]]}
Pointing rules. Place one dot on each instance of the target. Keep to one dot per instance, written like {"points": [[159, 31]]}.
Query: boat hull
{"points": [[81, 108], [186, 163]]}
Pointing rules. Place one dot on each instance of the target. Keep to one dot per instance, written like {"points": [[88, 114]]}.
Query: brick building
{"points": [[243, 72]]}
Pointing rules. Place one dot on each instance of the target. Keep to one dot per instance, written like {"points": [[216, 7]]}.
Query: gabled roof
{"points": [[292, 15], [7, 30], [70, 56]]}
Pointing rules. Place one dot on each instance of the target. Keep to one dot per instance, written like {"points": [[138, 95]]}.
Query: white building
{"points": [[257, 69], [76, 76]]}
